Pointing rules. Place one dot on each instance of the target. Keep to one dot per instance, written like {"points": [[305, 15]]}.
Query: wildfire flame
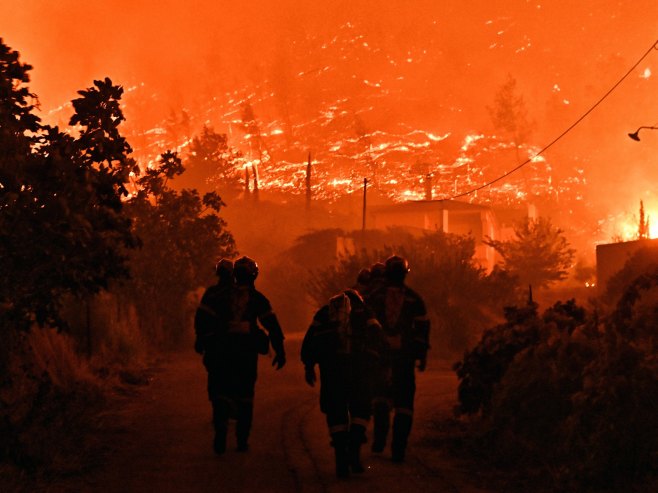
{"points": [[626, 227]]}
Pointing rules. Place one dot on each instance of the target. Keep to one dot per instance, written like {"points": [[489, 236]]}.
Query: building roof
{"points": [[624, 246], [419, 205]]}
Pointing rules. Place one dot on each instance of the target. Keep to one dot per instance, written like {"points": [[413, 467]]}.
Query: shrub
{"points": [[484, 366], [567, 394], [48, 398], [461, 298]]}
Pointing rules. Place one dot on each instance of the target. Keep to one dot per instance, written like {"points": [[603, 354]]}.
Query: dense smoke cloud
{"points": [[172, 44], [175, 44]]}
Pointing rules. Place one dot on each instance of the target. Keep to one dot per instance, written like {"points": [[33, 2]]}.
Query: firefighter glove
{"points": [[279, 360], [309, 376]]}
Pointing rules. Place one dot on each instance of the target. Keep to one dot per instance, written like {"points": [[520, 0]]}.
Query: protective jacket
{"points": [[226, 325], [227, 330], [210, 319], [348, 344], [403, 316]]}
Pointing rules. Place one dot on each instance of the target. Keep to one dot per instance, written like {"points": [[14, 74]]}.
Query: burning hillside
{"points": [[373, 133], [402, 95]]}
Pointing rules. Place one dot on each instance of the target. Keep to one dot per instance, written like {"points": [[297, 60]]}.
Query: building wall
{"points": [[432, 216], [611, 257]]}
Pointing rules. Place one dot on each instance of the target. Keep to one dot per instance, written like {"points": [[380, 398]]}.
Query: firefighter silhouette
{"points": [[401, 311], [346, 342], [230, 339]]}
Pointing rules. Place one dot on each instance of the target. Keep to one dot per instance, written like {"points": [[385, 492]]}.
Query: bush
{"points": [[642, 261], [564, 393], [461, 298], [182, 237], [612, 427], [484, 366], [48, 397]]}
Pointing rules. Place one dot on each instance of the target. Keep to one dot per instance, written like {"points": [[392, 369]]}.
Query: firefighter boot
{"points": [[243, 425], [219, 442], [401, 429], [357, 438], [339, 441], [220, 412], [380, 426]]}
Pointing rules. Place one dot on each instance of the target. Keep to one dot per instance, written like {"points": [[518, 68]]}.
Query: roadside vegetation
{"points": [[461, 298], [101, 262], [565, 400]]}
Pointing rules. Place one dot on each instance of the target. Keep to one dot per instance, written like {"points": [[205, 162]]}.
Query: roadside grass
{"points": [[57, 407]]}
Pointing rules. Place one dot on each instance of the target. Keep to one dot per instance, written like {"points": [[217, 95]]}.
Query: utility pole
{"points": [[365, 188], [428, 186], [308, 182], [254, 170]]}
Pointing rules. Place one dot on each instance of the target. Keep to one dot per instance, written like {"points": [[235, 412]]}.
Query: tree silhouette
{"points": [[643, 224], [178, 127], [212, 165], [182, 237], [62, 231], [539, 255], [509, 113], [258, 149]]}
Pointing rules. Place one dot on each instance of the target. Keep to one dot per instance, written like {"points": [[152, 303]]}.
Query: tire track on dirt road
{"points": [[299, 459]]}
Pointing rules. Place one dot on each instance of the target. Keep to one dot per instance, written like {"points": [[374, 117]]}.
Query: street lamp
{"points": [[635, 135]]}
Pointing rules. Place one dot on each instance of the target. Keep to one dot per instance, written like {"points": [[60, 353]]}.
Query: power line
{"points": [[654, 46]]}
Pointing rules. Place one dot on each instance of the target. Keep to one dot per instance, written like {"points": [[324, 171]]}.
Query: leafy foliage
{"points": [[69, 228], [568, 395], [182, 238], [539, 255], [484, 366], [461, 299], [64, 192], [642, 261], [509, 112], [212, 165], [17, 120], [98, 112]]}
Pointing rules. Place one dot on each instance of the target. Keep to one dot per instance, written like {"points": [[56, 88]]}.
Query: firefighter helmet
{"points": [[245, 270], [224, 268], [397, 268], [377, 270], [364, 277]]}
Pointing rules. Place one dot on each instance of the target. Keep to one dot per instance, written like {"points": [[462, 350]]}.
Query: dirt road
{"points": [[166, 446]]}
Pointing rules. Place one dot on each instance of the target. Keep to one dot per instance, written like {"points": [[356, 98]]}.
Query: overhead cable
{"points": [[654, 46]]}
